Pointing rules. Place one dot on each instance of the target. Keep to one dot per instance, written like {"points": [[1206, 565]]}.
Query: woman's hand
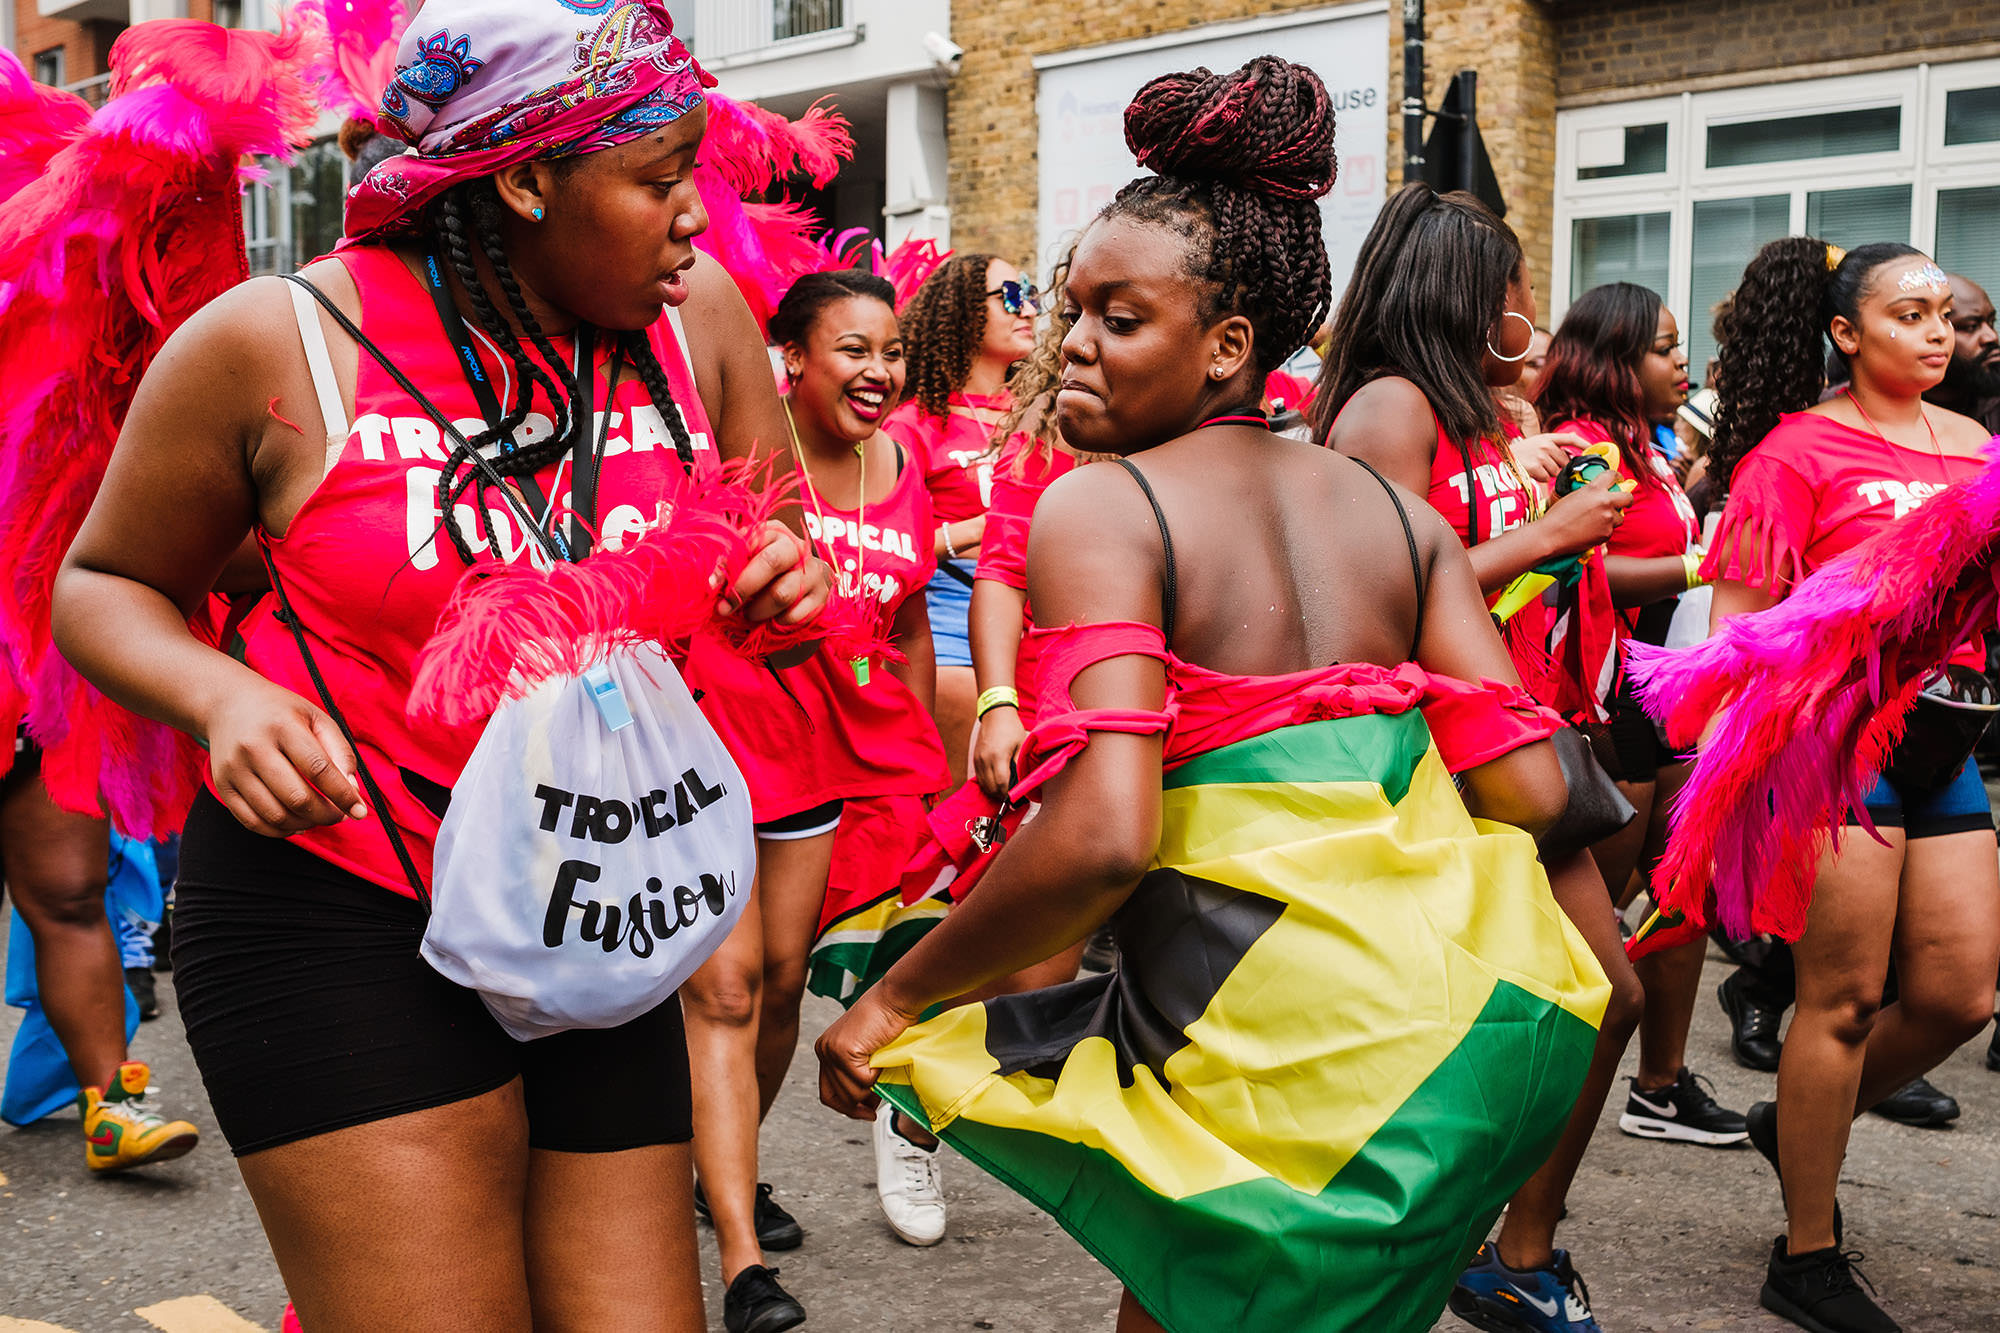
{"points": [[1587, 516], [1541, 457], [782, 581], [994, 747], [846, 1078], [279, 763]]}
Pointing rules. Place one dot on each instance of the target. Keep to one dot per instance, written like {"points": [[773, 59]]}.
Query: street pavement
{"points": [[1669, 1237]]}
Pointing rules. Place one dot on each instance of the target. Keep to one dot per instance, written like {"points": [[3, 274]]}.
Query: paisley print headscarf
{"points": [[483, 84]]}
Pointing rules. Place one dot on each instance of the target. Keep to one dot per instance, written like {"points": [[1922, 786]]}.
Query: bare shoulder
{"points": [[1427, 527], [1957, 431], [1390, 410]]}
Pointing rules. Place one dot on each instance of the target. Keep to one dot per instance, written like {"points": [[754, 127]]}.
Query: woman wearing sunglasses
{"points": [[965, 327]]}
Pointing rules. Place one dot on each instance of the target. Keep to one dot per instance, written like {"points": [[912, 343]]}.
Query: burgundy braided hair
{"points": [[1241, 159]]}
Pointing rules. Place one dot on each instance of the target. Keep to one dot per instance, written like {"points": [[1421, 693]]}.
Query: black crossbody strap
{"points": [[1416, 558], [368, 783], [1170, 594], [451, 432]]}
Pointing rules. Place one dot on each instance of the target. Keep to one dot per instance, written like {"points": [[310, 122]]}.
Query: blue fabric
{"points": [[39, 1079], [950, 605], [1959, 806]]}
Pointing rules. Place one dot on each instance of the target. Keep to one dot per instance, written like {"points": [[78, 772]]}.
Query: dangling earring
{"points": [[1494, 352], [537, 212]]}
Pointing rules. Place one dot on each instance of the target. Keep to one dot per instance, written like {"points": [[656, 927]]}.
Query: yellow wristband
{"points": [[998, 696], [1691, 562]]}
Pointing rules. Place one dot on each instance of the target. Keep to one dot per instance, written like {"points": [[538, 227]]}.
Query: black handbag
{"points": [[1596, 809], [1944, 726]]}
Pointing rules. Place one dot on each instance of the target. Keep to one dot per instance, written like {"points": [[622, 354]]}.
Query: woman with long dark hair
{"points": [[1616, 369], [1807, 481], [524, 268], [964, 327], [1236, 772], [1437, 316]]}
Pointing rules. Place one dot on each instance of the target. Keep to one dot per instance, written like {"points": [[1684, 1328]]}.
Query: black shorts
{"points": [[309, 1010], [805, 824], [1637, 754]]}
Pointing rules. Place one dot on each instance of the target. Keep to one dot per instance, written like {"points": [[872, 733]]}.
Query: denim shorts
{"points": [[1960, 806], [950, 603]]}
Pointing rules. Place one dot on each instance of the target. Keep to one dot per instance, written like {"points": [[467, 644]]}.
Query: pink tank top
{"points": [[368, 572]]}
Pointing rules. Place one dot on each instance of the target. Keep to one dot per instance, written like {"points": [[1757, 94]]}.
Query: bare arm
{"points": [[1643, 580], [912, 634], [996, 627], [1523, 787]]}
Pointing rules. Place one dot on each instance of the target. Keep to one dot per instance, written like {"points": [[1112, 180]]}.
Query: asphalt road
{"points": [[1667, 1236]]}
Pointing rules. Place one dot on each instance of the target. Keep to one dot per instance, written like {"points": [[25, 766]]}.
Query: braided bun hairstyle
{"points": [[1773, 355], [1241, 159]]}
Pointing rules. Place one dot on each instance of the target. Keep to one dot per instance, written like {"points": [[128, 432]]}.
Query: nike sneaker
{"points": [[120, 1130], [1499, 1299], [1683, 1111], [1819, 1292]]}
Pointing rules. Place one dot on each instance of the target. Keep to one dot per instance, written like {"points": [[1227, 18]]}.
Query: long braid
{"points": [[638, 349], [1242, 158]]}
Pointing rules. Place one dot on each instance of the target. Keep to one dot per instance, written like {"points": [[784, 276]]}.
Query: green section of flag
{"points": [[1378, 1249], [1380, 748]]}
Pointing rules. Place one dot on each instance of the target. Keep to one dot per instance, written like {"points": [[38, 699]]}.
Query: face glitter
{"points": [[1926, 278]]}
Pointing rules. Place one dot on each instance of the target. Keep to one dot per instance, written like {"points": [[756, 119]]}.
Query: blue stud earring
{"points": [[538, 213]]}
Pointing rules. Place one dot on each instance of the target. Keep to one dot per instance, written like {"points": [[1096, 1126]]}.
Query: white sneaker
{"points": [[906, 1178]]}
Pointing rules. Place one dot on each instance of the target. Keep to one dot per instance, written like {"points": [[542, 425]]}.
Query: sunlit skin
{"points": [[440, 1217], [1931, 904], [1144, 371]]}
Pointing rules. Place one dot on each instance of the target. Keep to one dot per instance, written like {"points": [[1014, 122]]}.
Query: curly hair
{"points": [[791, 324], [1773, 358], [1241, 159], [944, 326], [1430, 283], [1593, 367]]}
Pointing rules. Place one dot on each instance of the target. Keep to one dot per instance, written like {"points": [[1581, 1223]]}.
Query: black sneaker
{"points": [[1682, 1111], [755, 1303], [1761, 1120], [776, 1228], [1993, 1051], [1753, 1026], [1101, 954], [1818, 1291], [139, 980], [1918, 1103]]}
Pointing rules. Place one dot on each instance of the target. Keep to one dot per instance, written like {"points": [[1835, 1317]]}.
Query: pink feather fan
{"points": [[130, 226], [1812, 694], [509, 628], [358, 57]]}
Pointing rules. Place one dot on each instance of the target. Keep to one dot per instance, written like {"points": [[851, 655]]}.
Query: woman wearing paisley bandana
{"points": [[524, 267]]}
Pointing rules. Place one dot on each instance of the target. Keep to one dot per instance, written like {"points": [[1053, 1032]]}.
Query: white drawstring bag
{"points": [[597, 849]]}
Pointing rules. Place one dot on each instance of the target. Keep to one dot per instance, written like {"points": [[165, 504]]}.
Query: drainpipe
{"points": [[1413, 90]]}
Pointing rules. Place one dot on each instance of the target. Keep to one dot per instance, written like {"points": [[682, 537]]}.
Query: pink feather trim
{"points": [[358, 57], [509, 629], [132, 223], [1808, 699]]}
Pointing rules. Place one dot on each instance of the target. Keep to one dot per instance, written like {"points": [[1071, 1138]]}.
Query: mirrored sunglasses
{"points": [[1018, 298]]}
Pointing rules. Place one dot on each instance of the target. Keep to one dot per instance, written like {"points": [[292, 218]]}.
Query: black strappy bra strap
{"points": [[1171, 594], [1416, 558]]}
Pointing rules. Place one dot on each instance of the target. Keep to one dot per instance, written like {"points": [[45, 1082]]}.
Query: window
{"points": [[1971, 115], [1856, 217], [1968, 242], [1679, 192], [1632, 248], [1641, 150], [50, 67], [1727, 232], [801, 18], [318, 196], [1833, 134]]}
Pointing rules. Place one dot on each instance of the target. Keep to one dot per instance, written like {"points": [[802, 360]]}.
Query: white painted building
{"points": [[884, 63]]}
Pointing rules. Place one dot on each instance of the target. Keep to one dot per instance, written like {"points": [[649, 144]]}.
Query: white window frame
{"points": [[1920, 161]]}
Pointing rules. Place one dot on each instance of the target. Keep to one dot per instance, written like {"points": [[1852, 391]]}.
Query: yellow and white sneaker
{"points": [[120, 1130]]}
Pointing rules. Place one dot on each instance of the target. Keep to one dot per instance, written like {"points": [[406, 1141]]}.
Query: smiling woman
{"points": [[518, 280]]}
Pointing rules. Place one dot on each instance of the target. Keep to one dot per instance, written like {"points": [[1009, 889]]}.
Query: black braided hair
{"points": [[1241, 159], [1772, 358], [469, 215]]}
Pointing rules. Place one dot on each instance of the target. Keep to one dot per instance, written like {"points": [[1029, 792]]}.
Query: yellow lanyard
{"points": [[859, 665]]}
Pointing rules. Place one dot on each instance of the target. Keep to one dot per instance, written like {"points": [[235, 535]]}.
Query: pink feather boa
{"points": [[1812, 694], [508, 629]]}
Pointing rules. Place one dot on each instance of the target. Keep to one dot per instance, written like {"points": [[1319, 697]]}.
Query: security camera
{"points": [[946, 55]]}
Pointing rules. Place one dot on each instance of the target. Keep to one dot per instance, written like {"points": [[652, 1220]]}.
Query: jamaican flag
{"points": [[1348, 1022]]}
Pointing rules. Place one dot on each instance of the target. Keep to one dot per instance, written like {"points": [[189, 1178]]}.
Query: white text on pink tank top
{"points": [[832, 531]]}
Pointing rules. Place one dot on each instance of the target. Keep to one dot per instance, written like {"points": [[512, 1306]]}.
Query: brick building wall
{"points": [[992, 128], [1635, 48]]}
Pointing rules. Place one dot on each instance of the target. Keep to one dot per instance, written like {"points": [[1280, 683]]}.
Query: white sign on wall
{"points": [[1080, 106]]}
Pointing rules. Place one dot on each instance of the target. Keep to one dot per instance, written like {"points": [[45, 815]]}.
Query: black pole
{"points": [[1413, 90], [1468, 139]]}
